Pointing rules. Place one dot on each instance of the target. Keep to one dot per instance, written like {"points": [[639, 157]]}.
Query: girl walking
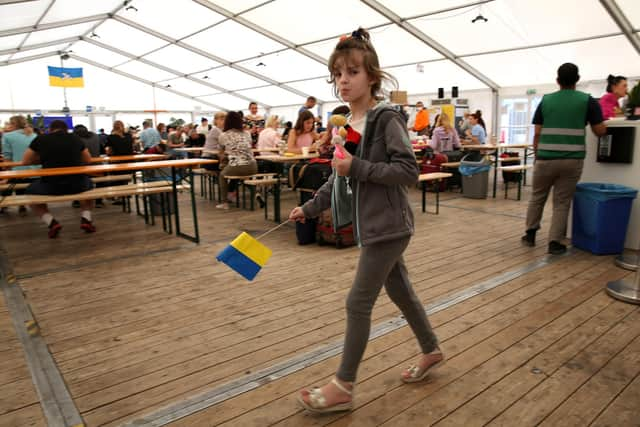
{"points": [[379, 170]]}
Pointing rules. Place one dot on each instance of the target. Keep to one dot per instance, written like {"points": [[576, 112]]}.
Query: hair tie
{"points": [[357, 34]]}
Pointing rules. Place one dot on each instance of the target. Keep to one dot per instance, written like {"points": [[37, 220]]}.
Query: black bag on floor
{"points": [[511, 176], [306, 233], [310, 175]]}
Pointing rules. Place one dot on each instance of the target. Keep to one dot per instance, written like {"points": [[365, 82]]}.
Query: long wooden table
{"points": [[132, 167], [104, 159]]}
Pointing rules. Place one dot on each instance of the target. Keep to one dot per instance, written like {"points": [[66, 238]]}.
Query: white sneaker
{"points": [[224, 206]]}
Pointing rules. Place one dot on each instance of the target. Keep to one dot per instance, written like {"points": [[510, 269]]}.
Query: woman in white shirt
{"points": [[269, 136]]}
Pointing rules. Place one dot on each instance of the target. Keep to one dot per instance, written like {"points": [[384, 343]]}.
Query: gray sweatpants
{"points": [[381, 264], [562, 175]]}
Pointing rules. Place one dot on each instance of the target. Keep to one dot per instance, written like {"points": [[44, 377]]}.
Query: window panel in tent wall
{"points": [[181, 59], [70, 9], [595, 59], [274, 96], [231, 79], [515, 23], [175, 19], [631, 8], [287, 114], [98, 54], [58, 33], [302, 22], [128, 39], [286, 66], [436, 74], [23, 14], [233, 42]]}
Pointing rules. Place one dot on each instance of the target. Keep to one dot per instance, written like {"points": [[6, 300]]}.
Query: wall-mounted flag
{"points": [[65, 77]]}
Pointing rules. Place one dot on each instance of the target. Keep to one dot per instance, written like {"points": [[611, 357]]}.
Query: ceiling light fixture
{"points": [[261, 64], [167, 86], [205, 77], [479, 18], [131, 8], [94, 35]]}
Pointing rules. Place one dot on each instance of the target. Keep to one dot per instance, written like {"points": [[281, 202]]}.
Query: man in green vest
{"points": [[559, 144]]}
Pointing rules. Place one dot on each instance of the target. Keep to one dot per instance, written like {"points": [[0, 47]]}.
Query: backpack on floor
{"points": [[326, 235]]}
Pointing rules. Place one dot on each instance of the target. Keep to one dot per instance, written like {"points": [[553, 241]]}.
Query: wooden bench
{"points": [[95, 179], [262, 182], [140, 189], [242, 178], [520, 169], [432, 177], [208, 181]]}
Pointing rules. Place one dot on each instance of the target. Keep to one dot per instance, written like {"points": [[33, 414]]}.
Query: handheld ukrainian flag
{"points": [[247, 255], [65, 77]]}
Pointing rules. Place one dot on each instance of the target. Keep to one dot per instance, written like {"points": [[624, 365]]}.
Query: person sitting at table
{"points": [[92, 142], [478, 132], [212, 143], [303, 133], [14, 144], [175, 141], [235, 145], [157, 149], [445, 137], [119, 143], [196, 139], [56, 150], [269, 137]]}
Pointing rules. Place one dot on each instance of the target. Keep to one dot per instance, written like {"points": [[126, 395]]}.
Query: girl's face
{"points": [[620, 89], [308, 125], [473, 120], [352, 80]]}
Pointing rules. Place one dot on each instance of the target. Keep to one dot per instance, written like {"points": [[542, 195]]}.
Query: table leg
{"points": [[424, 196], [175, 199], [495, 173], [525, 169], [437, 196], [276, 202]]}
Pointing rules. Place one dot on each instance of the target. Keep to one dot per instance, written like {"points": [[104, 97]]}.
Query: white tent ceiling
{"points": [[220, 54]]}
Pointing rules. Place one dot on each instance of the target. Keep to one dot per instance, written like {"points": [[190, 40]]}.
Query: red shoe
{"points": [[54, 229], [87, 226]]}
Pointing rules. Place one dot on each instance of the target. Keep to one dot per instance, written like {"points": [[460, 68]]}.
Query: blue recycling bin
{"points": [[600, 217]]}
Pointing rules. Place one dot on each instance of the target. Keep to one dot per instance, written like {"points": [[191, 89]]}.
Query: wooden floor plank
{"points": [[497, 398], [457, 336], [601, 389], [624, 411]]}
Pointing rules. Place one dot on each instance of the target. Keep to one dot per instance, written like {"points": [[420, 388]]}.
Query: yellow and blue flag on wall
{"points": [[245, 255], [65, 77]]}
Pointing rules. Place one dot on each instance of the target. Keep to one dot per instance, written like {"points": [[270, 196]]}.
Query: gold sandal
{"points": [[318, 402], [416, 374]]}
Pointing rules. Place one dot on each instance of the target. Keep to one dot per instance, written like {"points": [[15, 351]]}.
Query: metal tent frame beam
{"points": [[622, 21], [411, 29], [242, 21], [40, 45], [30, 58], [169, 70], [24, 40], [207, 54], [141, 80], [57, 24]]}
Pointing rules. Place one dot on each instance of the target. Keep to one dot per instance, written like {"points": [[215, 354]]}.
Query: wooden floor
{"points": [[137, 320]]}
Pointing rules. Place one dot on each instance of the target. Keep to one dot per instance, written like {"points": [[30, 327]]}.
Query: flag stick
{"points": [[272, 229]]}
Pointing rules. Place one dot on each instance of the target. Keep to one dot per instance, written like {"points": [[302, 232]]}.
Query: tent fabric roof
{"points": [[225, 52]]}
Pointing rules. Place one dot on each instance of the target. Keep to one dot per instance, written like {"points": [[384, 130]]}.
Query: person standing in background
{"points": [[149, 136], [421, 125], [308, 105], [616, 88], [559, 146], [253, 122]]}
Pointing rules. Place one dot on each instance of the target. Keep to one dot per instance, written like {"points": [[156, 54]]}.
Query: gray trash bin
{"points": [[474, 169]]}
